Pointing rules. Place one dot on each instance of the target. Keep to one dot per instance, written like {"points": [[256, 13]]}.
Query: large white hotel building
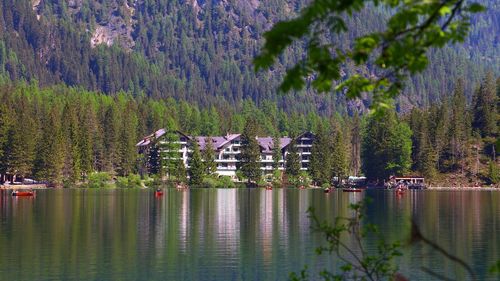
{"points": [[227, 148]]}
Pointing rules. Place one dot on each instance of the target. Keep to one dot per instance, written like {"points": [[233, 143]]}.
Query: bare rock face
{"points": [[102, 35]]}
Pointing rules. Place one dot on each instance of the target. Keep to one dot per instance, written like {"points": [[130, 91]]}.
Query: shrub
{"points": [[225, 182], [99, 180], [209, 182], [131, 181], [221, 182]]}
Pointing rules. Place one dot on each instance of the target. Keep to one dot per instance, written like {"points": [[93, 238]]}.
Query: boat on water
{"points": [[400, 191], [23, 193], [159, 192]]}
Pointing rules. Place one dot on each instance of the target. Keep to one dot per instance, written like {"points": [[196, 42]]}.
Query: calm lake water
{"points": [[233, 234]]}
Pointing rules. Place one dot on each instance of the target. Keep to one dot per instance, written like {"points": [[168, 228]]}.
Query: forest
{"points": [[62, 134], [201, 52]]}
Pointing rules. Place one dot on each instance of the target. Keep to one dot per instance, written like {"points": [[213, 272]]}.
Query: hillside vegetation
{"points": [[201, 51]]}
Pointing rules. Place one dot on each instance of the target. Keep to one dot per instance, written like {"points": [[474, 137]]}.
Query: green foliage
{"points": [[292, 167], [495, 269], [169, 155], [174, 49], [277, 154], [208, 156], [493, 172], [395, 52], [320, 162], [99, 180], [386, 147], [130, 181], [485, 107], [220, 182], [250, 152], [196, 167], [339, 158], [301, 180]]}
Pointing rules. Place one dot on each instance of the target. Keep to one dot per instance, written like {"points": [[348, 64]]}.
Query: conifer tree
{"points": [[196, 167], [292, 159], [386, 147], [485, 107], [423, 154], [111, 129], [4, 127], [208, 156], [355, 165], [50, 155], [459, 127], [169, 154], [71, 138], [485, 113], [338, 158], [179, 172], [250, 152], [277, 155], [320, 161], [87, 135], [24, 140], [128, 139]]}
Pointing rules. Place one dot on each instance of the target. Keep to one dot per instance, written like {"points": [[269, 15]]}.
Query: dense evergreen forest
{"points": [[63, 134], [201, 52]]}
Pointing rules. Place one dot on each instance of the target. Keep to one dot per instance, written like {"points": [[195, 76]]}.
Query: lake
{"points": [[229, 234]]}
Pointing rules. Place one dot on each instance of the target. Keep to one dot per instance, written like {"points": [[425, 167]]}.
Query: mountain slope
{"points": [[201, 50]]}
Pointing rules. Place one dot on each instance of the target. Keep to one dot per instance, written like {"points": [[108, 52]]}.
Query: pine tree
{"points": [[71, 138], [292, 159], [386, 147], [169, 154], [5, 129], [277, 155], [320, 162], [249, 162], [485, 113], [208, 156], [459, 128], [24, 140], [128, 139], [485, 108], [50, 155], [179, 172], [111, 129], [355, 165], [338, 156], [196, 167], [88, 130]]}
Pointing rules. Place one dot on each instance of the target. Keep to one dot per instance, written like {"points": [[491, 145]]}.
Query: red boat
{"points": [[23, 193], [400, 191], [159, 193]]}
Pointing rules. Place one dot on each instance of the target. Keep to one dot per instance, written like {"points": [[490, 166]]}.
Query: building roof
{"points": [[156, 135], [218, 142], [267, 143]]}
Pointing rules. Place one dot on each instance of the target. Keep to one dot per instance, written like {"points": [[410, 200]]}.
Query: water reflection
{"points": [[233, 234]]}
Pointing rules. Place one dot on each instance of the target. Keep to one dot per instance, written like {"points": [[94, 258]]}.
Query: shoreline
{"points": [[439, 188], [24, 186]]}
